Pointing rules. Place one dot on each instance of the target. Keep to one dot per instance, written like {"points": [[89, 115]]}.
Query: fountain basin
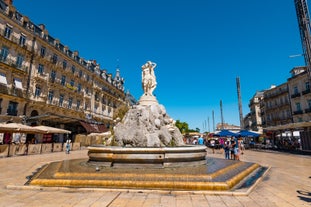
{"points": [[162, 157]]}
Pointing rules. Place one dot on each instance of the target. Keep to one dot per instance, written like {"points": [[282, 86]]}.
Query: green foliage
{"points": [[182, 126]]}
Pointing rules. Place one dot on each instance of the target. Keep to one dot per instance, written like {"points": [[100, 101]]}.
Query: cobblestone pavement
{"points": [[287, 183]]}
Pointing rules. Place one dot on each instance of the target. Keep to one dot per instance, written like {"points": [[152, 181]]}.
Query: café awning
{"points": [[94, 128], [17, 127], [52, 130]]}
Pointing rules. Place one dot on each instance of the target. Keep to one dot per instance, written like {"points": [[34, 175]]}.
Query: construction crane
{"points": [[303, 18]]}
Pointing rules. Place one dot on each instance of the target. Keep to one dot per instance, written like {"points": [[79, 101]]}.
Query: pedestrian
{"points": [[68, 146], [227, 149], [201, 140], [236, 152], [232, 146], [212, 145]]}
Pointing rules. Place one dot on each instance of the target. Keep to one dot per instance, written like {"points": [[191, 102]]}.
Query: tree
{"points": [[182, 126]]}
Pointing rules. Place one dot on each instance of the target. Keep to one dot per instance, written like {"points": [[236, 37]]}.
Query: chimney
{"points": [[8, 2]]}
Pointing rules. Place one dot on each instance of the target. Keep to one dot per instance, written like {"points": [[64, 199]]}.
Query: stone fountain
{"points": [[147, 135], [147, 152]]}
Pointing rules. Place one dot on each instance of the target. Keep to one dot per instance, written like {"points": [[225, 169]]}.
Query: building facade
{"points": [[276, 107], [42, 81], [254, 118], [300, 93]]}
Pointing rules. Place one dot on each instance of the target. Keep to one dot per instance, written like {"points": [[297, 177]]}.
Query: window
{"points": [[87, 90], [70, 103], [53, 76], [7, 32], [85, 106], [309, 103], [72, 82], [298, 106], [307, 84], [42, 51], [63, 80], [50, 96], [61, 99], [296, 90], [87, 78], [3, 79], [54, 59], [22, 40], [80, 73], [73, 69], [12, 108], [79, 87], [18, 83], [40, 69], [37, 91], [4, 53], [78, 104], [19, 61], [64, 64]]}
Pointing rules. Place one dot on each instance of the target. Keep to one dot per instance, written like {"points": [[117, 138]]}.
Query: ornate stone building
{"points": [[254, 117], [276, 107], [300, 93], [42, 81]]}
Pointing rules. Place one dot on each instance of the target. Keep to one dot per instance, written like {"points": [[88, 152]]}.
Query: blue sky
{"points": [[200, 47]]}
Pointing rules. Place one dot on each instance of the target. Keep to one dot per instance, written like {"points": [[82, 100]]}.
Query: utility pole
{"points": [[222, 116], [213, 116], [209, 129], [303, 18], [240, 102]]}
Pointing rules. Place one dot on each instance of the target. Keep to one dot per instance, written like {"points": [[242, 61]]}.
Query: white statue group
{"points": [[149, 82]]}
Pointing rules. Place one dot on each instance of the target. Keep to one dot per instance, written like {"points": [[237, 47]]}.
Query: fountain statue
{"points": [[147, 124]]}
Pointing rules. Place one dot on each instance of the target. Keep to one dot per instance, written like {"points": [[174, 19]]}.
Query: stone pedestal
{"points": [[147, 100]]}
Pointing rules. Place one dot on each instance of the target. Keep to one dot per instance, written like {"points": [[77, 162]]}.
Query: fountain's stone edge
{"points": [[146, 156]]}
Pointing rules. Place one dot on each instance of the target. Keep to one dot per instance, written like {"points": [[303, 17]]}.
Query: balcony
{"points": [[306, 91], [12, 112], [41, 98], [295, 95], [17, 92], [40, 77], [298, 112], [308, 110], [4, 89]]}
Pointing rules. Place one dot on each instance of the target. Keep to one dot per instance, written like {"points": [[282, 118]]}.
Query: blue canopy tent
{"points": [[226, 133], [246, 133]]}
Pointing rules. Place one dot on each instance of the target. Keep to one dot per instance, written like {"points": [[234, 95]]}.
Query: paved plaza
{"points": [[287, 183]]}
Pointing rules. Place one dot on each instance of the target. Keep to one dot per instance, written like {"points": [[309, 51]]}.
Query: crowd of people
{"points": [[232, 147]]}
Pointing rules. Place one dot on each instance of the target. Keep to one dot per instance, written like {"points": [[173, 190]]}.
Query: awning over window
{"points": [[3, 79], [18, 83], [94, 128]]}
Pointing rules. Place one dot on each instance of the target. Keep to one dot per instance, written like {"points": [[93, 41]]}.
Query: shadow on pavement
{"points": [[303, 195]]}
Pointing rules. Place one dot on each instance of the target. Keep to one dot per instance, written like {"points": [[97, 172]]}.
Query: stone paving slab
{"points": [[287, 183]]}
